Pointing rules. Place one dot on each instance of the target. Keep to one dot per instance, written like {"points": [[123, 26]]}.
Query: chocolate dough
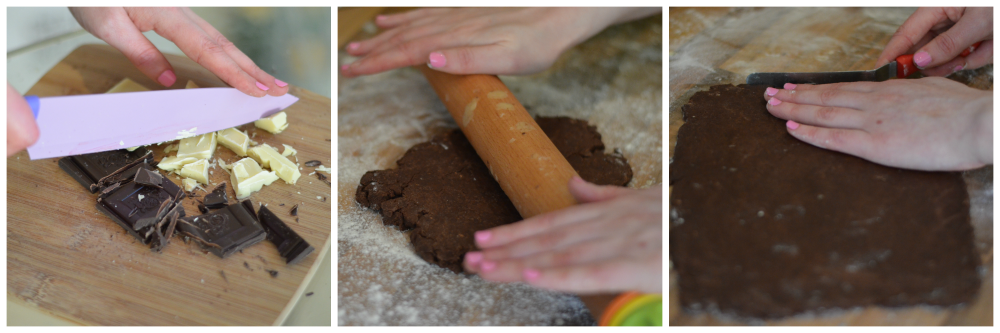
{"points": [[765, 225], [445, 193]]}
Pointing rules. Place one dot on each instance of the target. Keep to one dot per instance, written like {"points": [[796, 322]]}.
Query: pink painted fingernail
{"points": [[958, 68], [531, 274], [380, 18], [790, 86], [261, 86], [167, 78], [438, 60], [344, 67], [774, 101], [488, 266], [921, 59], [280, 83], [484, 235], [353, 46], [770, 91], [474, 257], [792, 124]]}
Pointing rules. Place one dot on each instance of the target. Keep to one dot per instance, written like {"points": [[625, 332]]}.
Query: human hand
{"points": [[481, 40], [611, 242], [122, 28], [925, 124], [22, 131], [937, 36]]}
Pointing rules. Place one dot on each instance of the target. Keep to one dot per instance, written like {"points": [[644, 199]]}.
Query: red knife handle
{"points": [[905, 66]]}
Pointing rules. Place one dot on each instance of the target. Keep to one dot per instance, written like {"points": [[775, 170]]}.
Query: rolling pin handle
{"points": [[971, 49], [905, 66], [34, 103]]}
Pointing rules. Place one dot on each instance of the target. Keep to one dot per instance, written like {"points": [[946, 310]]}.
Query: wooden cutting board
{"points": [[68, 259]]}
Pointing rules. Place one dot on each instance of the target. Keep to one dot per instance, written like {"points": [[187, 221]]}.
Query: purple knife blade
{"points": [[80, 124]]}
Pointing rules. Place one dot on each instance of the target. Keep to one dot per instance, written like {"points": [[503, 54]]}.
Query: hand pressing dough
{"points": [[764, 225], [443, 191]]}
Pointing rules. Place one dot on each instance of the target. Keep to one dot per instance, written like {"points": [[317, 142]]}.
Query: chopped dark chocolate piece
{"points": [[309, 293], [313, 163], [290, 245], [223, 273], [148, 177], [245, 264], [87, 169], [323, 178], [218, 198], [294, 211], [202, 209], [226, 230], [131, 202], [273, 273]]}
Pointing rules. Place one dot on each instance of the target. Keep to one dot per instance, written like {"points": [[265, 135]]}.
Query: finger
{"points": [[274, 87], [956, 64], [409, 53], [471, 261], [848, 141], [982, 56], [127, 38], [534, 225], [476, 59], [395, 20], [823, 116], [908, 34], [585, 192], [206, 51], [644, 275], [951, 43], [392, 36], [557, 238], [823, 96], [435, 33], [22, 131]]}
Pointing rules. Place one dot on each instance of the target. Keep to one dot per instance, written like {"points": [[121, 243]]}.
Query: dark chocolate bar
{"points": [[131, 202], [290, 245], [224, 231], [87, 169], [218, 198]]}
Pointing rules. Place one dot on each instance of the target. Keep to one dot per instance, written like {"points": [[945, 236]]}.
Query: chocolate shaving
{"points": [[309, 294], [223, 273], [107, 191], [323, 178], [294, 211], [313, 163], [273, 273]]}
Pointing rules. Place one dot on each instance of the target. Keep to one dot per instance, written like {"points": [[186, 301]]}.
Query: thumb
{"points": [[585, 192], [949, 44], [22, 131], [481, 59]]}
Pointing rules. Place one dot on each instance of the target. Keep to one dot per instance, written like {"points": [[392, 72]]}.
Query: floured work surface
{"points": [[445, 193], [766, 226]]}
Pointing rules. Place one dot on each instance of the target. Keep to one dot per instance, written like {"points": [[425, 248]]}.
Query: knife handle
{"points": [[33, 102], [905, 66]]}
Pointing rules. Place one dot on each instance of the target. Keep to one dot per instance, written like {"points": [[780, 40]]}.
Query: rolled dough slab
{"points": [[766, 226], [444, 192]]}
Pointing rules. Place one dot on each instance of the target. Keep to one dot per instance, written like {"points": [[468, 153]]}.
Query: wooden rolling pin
{"points": [[529, 168]]}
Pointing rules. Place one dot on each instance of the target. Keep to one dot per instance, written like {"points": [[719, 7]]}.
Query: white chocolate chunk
{"points": [[197, 170], [269, 158], [323, 168], [127, 85], [170, 148], [200, 147], [289, 150], [234, 140], [191, 85], [247, 177], [275, 123], [173, 163], [190, 184]]}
